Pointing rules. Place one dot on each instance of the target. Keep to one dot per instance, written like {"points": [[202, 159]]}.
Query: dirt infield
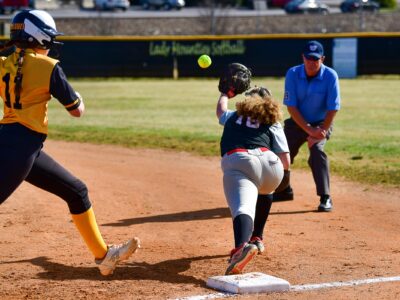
{"points": [[174, 202]]}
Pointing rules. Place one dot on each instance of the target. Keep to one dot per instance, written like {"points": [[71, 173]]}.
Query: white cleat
{"points": [[116, 254]]}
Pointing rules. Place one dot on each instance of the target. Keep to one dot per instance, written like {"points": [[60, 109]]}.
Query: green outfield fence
{"points": [[267, 55]]}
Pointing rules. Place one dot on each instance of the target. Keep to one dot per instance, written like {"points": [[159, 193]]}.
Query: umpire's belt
{"points": [[251, 151]]}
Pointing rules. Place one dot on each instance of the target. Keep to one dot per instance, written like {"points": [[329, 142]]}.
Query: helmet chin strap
{"points": [[55, 49]]}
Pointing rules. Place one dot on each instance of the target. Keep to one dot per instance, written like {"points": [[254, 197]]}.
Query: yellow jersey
{"points": [[31, 108]]}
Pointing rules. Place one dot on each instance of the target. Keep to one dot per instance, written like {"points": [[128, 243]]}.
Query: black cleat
{"points": [[326, 204], [285, 195]]}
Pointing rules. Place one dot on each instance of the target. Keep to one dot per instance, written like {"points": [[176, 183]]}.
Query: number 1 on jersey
{"points": [[17, 104]]}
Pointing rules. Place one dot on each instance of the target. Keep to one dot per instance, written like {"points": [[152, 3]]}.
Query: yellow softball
{"points": [[204, 61]]}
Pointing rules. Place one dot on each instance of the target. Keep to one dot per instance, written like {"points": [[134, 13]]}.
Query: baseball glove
{"points": [[234, 80]]}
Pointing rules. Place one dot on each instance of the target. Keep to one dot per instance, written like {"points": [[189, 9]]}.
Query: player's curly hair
{"points": [[259, 105]]}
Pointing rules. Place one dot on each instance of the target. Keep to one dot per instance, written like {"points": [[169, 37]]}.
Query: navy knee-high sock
{"points": [[263, 207], [242, 228]]}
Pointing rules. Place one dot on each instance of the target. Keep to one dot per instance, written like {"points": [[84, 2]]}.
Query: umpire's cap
{"points": [[313, 49]]}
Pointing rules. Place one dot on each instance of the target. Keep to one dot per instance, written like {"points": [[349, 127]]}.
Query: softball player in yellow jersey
{"points": [[28, 80]]}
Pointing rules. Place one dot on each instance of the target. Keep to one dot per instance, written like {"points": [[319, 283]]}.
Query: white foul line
{"points": [[209, 296], [307, 287], [304, 287]]}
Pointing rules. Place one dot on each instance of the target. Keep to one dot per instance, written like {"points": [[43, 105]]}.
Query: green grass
{"points": [[144, 113], [180, 115]]}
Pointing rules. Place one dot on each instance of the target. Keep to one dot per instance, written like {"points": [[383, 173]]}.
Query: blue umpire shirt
{"points": [[312, 97]]}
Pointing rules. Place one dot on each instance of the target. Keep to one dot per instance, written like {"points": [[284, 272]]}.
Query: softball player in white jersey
{"points": [[254, 154]]}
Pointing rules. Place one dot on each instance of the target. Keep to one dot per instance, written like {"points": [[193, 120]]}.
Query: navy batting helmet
{"points": [[34, 29]]}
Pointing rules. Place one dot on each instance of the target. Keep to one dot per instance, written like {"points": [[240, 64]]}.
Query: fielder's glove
{"points": [[234, 80]]}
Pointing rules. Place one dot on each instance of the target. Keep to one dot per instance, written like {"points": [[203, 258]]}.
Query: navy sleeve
{"points": [[62, 90]]}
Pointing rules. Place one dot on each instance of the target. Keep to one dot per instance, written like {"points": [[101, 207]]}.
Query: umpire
{"points": [[312, 97]]}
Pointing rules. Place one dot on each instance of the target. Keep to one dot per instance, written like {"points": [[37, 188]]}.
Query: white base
{"points": [[248, 283]]}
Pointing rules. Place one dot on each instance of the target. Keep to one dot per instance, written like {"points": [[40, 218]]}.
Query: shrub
{"points": [[388, 3]]}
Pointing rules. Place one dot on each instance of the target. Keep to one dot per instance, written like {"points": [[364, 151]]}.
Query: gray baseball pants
{"points": [[247, 174]]}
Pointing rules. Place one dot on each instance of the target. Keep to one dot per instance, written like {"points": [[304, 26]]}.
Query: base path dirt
{"points": [[174, 202]]}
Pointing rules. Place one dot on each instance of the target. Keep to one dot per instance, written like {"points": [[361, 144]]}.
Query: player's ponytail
{"points": [[18, 76]]}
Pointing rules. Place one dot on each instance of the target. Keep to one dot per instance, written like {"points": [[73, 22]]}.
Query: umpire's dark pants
{"points": [[21, 158], [318, 160]]}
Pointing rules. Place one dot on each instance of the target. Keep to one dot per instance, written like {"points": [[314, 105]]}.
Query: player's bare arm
{"points": [[285, 159], [222, 105], [330, 115]]}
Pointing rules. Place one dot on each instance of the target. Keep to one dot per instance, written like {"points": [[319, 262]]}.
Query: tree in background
{"points": [[388, 3], [214, 11]]}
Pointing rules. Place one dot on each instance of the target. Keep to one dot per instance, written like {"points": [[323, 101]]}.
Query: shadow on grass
{"points": [[166, 271]]}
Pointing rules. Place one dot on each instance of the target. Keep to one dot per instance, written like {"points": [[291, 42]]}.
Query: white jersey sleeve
{"points": [[279, 144], [225, 116]]}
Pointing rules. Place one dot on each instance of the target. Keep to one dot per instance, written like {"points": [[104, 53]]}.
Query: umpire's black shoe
{"points": [[285, 195], [326, 204]]}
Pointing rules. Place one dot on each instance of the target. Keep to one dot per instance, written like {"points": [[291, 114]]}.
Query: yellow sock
{"points": [[87, 226]]}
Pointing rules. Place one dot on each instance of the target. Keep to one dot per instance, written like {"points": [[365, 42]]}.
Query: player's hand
{"points": [[229, 94]]}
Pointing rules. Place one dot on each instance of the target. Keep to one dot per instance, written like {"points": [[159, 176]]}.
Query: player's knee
{"points": [[79, 201], [245, 211], [317, 148]]}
